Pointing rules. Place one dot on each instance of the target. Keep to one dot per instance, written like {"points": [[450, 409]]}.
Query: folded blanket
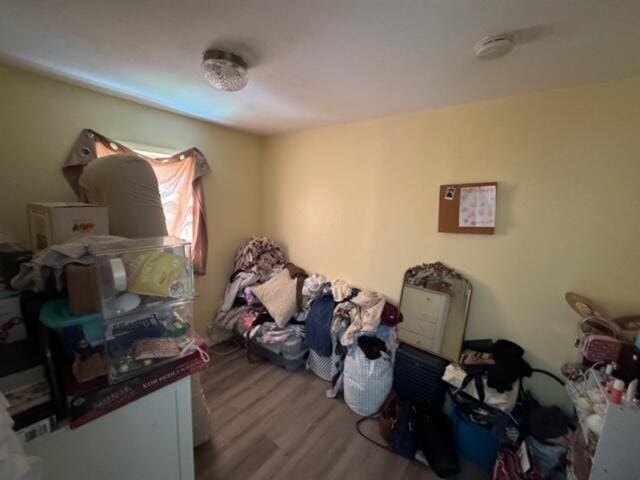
{"points": [[33, 274]]}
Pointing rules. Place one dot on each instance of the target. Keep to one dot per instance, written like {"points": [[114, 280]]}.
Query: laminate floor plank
{"points": [[271, 424]]}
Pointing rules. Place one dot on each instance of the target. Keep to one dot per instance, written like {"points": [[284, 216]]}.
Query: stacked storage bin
{"points": [[147, 291]]}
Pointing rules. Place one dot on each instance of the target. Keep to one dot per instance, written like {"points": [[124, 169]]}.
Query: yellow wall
{"points": [[359, 202], [39, 120]]}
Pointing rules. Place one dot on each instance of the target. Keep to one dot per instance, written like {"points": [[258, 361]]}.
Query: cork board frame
{"points": [[449, 210]]}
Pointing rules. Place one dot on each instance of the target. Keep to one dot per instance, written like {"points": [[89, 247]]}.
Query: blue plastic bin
{"points": [[476, 443]]}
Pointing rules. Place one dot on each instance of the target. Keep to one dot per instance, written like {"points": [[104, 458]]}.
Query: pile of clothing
{"points": [[360, 334], [272, 301], [257, 261], [263, 299]]}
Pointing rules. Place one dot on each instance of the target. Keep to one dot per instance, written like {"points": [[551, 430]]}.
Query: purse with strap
{"points": [[388, 417], [387, 421]]}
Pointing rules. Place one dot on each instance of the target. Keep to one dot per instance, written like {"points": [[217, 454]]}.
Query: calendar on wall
{"points": [[477, 206]]}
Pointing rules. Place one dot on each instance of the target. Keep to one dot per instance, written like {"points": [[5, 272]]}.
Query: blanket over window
{"points": [[179, 181]]}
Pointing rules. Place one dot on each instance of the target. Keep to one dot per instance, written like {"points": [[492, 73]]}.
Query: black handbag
{"points": [[393, 422]]}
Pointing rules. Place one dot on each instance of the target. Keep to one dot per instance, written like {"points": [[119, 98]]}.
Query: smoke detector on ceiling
{"points": [[226, 71], [494, 46]]}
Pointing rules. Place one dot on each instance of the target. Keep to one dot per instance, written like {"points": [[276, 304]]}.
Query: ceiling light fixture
{"points": [[224, 70], [494, 46]]}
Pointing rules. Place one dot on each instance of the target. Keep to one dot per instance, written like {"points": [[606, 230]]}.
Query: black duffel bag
{"points": [[433, 434]]}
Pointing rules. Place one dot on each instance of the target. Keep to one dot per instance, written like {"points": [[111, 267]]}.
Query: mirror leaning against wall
{"points": [[435, 304]]}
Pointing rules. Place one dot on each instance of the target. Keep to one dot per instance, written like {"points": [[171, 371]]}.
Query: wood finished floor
{"points": [[269, 423]]}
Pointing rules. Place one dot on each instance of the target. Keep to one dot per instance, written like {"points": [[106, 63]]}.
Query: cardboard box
{"points": [[12, 328], [54, 222], [83, 288]]}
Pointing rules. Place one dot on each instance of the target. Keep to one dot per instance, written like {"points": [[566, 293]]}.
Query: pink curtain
{"points": [[179, 180]]}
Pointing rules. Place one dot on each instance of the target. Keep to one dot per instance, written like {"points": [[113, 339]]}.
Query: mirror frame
{"points": [[441, 271]]}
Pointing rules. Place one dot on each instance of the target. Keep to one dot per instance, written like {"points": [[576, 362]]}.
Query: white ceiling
{"points": [[318, 62]]}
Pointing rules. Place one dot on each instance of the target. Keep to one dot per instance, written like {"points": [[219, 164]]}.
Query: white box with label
{"points": [[55, 222]]}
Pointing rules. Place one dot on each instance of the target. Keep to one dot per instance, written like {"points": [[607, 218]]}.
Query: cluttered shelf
{"points": [[109, 329], [603, 390]]}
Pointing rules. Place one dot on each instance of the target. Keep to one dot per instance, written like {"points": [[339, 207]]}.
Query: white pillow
{"points": [[278, 296]]}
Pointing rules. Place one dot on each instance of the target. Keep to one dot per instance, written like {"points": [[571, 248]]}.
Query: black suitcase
{"points": [[418, 376]]}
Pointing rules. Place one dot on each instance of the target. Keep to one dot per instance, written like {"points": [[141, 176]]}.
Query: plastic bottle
{"points": [[617, 391]]}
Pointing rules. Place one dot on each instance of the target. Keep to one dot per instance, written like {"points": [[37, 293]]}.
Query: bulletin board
{"points": [[449, 214]]}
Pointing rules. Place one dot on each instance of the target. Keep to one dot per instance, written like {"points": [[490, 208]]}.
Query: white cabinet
{"points": [[425, 316], [150, 438]]}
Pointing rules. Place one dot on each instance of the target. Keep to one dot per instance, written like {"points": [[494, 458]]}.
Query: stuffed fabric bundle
{"points": [[367, 383]]}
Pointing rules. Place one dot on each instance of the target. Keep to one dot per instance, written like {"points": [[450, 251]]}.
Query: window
{"points": [[151, 151]]}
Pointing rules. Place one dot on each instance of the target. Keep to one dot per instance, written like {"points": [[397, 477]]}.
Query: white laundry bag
{"points": [[367, 383]]}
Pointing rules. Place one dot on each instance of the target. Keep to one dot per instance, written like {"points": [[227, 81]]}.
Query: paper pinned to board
{"points": [[477, 206]]}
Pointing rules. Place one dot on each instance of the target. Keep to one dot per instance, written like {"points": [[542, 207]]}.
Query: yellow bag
{"points": [[153, 273]]}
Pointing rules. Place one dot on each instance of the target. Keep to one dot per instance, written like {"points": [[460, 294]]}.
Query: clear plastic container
{"points": [[143, 340], [146, 291], [143, 274], [292, 347], [273, 347], [288, 363]]}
